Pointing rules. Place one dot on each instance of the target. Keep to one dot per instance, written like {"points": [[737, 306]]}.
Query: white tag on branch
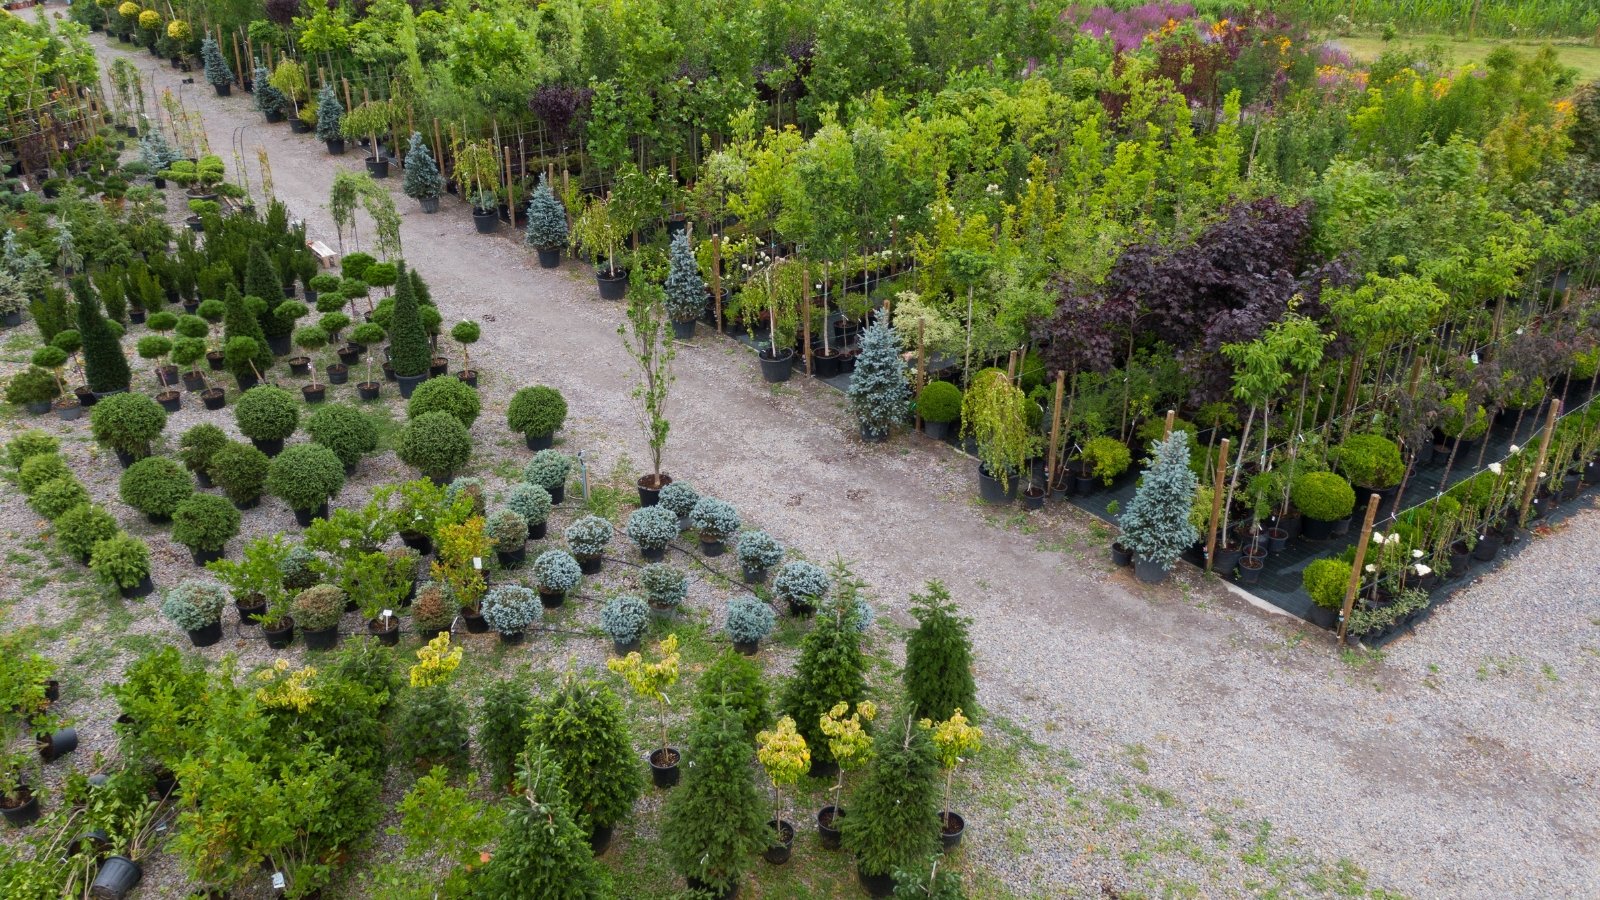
{"points": [[477, 562]]}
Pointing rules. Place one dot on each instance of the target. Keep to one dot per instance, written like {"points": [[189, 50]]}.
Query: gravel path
{"points": [[1460, 764]]}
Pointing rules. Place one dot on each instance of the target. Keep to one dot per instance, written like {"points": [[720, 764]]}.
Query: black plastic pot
{"points": [[388, 636], [473, 621], [171, 401], [539, 441], [205, 637], [1250, 569], [56, 745], [1277, 539], [826, 365], [201, 557], [747, 648], [549, 257], [1315, 529], [754, 576], [613, 286], [270, 446], [1149, 572], [552, 599], [280, 637], [1121, 555], [418, 542], [589, 565], [470, 377], [24, 814], [664, 767], [511, 637], [485, 222], [650, 496], [990, 490], [304, 517], [1488, 547], [118, 876], [558, 493], [338, 373], [712, 548], [368, 390], [653, 554], [214, 398], [600, 839], [623, 648], [378, 168], [408, 383], [683, 331], [299, 126], [511, 558], [194, 382], [325, 639], [775, 370], [349, 354], [439, 367], [429, 204], [782, 841], [537, 530], [143, 589], [335, 147], [827, 820], [951, 827], [1322, 617]]}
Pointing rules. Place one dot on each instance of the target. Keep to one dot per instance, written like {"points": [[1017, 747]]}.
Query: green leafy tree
{"points": [[716, 822], [408, 340], [261, 279], [542, 850], [644, 336], [938, 673], [831, 670], [585, 729], [894, 816]]}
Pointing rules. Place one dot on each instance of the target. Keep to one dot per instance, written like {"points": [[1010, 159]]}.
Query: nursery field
{"points": [[1582, 57], [426, 478]]}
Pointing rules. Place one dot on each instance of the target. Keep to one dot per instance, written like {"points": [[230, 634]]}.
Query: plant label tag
{"points": [[278, 882], [388, 614], [477, 562]]}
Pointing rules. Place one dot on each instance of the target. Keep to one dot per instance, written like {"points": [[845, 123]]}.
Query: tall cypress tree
{"points": [[831, 669], [938, 671], [894, 815], [261, 279], [584, 727], [104, 366], [542, 851], [241, 321], [408, 340], [716, 822]]}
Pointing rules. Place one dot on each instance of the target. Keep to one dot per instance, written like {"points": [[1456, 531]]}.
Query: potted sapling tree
{"points": [[510, 609], [625, 620], [685, 289], [310, 338], [651, 681], [267, 415], [588, 538], [477, 171], [758, 552], [555, 572], [748, 621], [643, 336], [436, 443], [196, 607], [466, 334], [365, 335], [680, 498], [784, 756], [423, 183], [850, 744], [547, 225], [330, 120], [596, 234], [365, 123], [652, 528], [773, 294], [994, 414], [1156, 525], [892, 824], [955, 740], [716, 521], [289, 77]]}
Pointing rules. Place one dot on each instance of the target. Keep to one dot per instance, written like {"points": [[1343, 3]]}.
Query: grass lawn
{"points": [[1583, 57]]}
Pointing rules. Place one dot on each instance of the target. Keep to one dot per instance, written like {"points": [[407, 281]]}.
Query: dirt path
{"points": [[1439, 782]]}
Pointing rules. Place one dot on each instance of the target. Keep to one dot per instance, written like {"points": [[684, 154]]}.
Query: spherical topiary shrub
{"points": [[305, 476], [434, 609], [437, 443], [155, 486], [1326, 581], [1324, 496], [240, 470], [127, 422], [664, 587], [714, 519], [556, 571], [652, 527], [548, 469], [749, 620], [1371, 461], [530, 501], [345, 430], [30, 443], [589, 536], [536, 411], [940, 401], [56, 496], [678, 497], [193, 605], [122, 561], [801, 584], [36, 470], [507, 529], [198, 444], [625, 619], [267, 413], [759, 551], [318, 608], [511, 608], [204, 523], [448, 395], [469, 487], [81, 527]]}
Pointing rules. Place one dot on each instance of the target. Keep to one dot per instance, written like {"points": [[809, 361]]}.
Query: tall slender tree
{"points": [[408, 341], [938, 673], [105, 368], [717, 821]]}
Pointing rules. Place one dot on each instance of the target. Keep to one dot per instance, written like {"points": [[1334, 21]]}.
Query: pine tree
{"points": [[880, 396], [422, 173], [420, 288], [938, 671], [831, 669], [547, 218], [269, 100], [330, 112], [894, 814], [716, 822], [736, 680], [408, 340], [1156, 525], [217, 71], [686, 290], [241, 321], [585, 729], [261, 280], [542, 851], [105, 368], [503, 728]]}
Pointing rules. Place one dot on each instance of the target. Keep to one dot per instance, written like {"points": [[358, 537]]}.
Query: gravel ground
{"points": [[1153, 740]]}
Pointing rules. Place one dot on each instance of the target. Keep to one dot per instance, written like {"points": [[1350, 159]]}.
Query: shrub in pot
{"points": [[241, 471], [330, 119], [549, 469], [1325, 582], [939, 665], [536, 413], [542, 850], [78, 529], [122, 561], [305, 477], [749, 620], [127, 423], [465, 490], [879, 395], [447, 395], [583, 725], [437, 443], [508, 531], [652, 528], [939, 404], [1105, 458], [33, 387], [302, 568], [408, 337], [434, 609], [831, 670], [715, 520], [155, 486], [556, 572], [680, 498], [547, 224], [316, 612], [204, 523], [588, 538], [423, 183], [717, 823], [197, 446], [196, 607], [1156, 525], [625, 619], [758, 552], [36, 470], [1455, 422], [664, 586], [1323, 498], [802, 585], [532, 502], [266, 415], [1370, 461], [510, 609], [893, 821], [685, 289], [56, 497], [345, 430], [994, 415]]}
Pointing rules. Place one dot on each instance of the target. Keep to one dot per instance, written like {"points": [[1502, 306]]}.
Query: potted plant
{"points": [[588, 538], [127, 423], [652, 528], [532, 502], [716, 822], [758, 552], [217, 72], [437, 444], [408, 339], [267, 414], [547, 224], [555, 572], [748, 621], [330, 121], [510, 609], [715, 520], [664, 588], [241, 471], [625, 619], [205, 523], [1156, 525], [685, 289], [310, 338], [993, 414], [466, 334], [1372, 463], [784, 756], [155, 486], [366, 122], [850, 745], [1323, 498], [423, 183], [938, 404], [196, 607], [33, 388], [596, 234], [508, 531], [316, 612], [289, 78], [345, 430], [889, 826], [537, 412], [306, 477], [955, 740], [651, 681], [879, 394], [773, 294], [1325, 582], [81, 527], [548, 469], [365, 335], [1102, 458], [123, 561], [802, 585]]}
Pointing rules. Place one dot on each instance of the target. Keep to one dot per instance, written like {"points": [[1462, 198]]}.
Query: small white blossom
{"points": [[1416, 554], [1377, 537], [1515, 449], [1371, 568], [1495, 468], [1423, 570]]}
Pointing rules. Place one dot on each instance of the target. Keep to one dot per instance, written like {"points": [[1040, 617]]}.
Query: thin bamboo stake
{"points": [[1216, 502], [716, 279], [1355, 568], [922, 361], [1055, 429], [805, 314], [1544, 450]]}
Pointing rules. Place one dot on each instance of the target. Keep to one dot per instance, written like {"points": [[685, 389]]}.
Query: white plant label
{"points": [[278, 883], [477, 562], [388, 614]]}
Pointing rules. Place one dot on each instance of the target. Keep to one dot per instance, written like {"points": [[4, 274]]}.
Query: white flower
{"points": [[1495, 468], [1377, 537], [1416, 554], [1515, 449], [1371, 568], [1423, 570], [1544, 474], [900, 218]]}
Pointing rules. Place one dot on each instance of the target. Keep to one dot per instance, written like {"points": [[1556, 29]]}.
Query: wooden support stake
{"points": [[1011, 367], [1171, 414], [922, 361], [805, 315], [1355, 568], [238, 60], [438, 148], [1216, 503], [1544, 450], [716, 280], [1055, 430], [511, 195]]}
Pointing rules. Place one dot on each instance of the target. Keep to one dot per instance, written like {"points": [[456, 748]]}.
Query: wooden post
{"points": [[1055, 430], [1171, 414], [346, 82], [238, 60], [922, 362], [438, 148], [1216, 502], [716, 280], [805, 314], [1355, 568], [511, 191], [1011, 367], [1544, 450]]}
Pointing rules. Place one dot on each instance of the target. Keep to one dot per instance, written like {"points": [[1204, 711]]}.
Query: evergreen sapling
{"points": [[686, 290], [269, 100], [717, 821], [216, 67], [105, 368], [408, 340], [547, 218], [422, 181], [880, 396], [584, 728], [542, 851], [1156, 525], [330, 112], [938, 673], [831, 670], [894, 817]]}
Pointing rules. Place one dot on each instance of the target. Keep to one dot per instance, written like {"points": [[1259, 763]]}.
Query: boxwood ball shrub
{"points": [[652, 527], [56, 496], [664, 586], [1326, 581], [36, 470], [530, 501], [305, 476], [940, 401], [548, 469], [679, 497], [122, 561], [205, 522], [437, 443], [714, 519], [536, 411], [447, 395], [155, 486], [511, 608], [749, 620], [127, 422], [1324, 496], [78, 529], [318, 608], [199, 444], [193, 604], [625, 618], [267, 413], [240, 470], [801, 584], [556, 571], [345, 430], [507, 529], [589, 536], [1370, 461], [32, 442], [758, 550]]}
